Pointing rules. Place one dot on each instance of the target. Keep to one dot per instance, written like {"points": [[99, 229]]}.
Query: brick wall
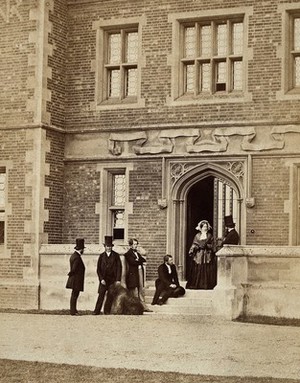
{"points": [[147, 221], [81, 193], [270, 190], [57, 63], [20, 62], [19, 296], [13, 152], [15, 48], [68, 101], [264, 71], [55, 182]]}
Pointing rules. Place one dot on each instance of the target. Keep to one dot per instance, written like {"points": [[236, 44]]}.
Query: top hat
{"points": [[108, 241], [79, 244], [229, 221]]}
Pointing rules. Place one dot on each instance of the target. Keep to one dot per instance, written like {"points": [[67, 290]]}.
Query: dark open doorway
{"points": [[200, 205]]}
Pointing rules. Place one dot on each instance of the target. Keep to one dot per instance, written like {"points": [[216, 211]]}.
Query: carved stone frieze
{"points": [[194, 140], [116, 141], [157, 142], [208, 141]]}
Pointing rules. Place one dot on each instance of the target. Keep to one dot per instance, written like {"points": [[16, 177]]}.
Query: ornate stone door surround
{"points": [[181, 175]]}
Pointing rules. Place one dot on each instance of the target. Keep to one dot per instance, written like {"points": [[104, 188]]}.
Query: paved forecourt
{"points": [[188, 344]]}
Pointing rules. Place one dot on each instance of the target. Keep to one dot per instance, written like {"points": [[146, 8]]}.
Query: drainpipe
{"points": [[162, 203], [250, 201]]}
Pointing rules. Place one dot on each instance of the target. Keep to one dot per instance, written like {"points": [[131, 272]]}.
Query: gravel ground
{"points": [[188, 344]]}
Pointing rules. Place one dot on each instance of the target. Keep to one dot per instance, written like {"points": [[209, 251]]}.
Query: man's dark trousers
{"points": [[108, 303], [73, 301]]}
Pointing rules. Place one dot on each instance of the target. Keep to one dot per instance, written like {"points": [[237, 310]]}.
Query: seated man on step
{"points": [[167, 284]]}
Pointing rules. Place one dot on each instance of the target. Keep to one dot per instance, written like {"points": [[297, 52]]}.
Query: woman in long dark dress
{"points": [[203, 273]]}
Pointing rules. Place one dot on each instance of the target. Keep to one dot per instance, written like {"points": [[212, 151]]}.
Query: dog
{"points": [[123, 303]]}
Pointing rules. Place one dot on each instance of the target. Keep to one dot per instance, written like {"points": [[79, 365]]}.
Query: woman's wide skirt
{"points": [[203, 275]]}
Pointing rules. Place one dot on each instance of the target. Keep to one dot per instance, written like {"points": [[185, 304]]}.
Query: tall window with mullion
{"points": [[2, 203], [117, 208], [122, 64], [212, 57], [295, 52]]}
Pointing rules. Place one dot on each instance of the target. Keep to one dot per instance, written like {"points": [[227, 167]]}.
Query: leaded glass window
{"points": [[114, 83], [212, 56], [118, 219], [206, 47], [296, 52], [122, 63], [237, 38], [190, 78], [132, 47], [190, 35], [131, 83], [114, 48], [221, 75], [297, 34], [2, 189], [297, 71], [221, 39], [237, 71], [205, 77], [2, 203], [118, 205], [119, 190]]}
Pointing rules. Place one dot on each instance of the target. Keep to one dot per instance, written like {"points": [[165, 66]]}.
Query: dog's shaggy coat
{"points": [[123, 303]]}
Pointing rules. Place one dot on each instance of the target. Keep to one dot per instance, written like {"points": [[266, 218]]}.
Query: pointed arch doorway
{"points": [[206, 192], [210, 199]]}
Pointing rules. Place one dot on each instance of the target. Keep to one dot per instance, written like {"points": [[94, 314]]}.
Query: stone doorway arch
{"points": [[183, 177]]}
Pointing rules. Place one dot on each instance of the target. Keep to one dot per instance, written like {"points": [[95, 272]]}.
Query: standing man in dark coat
{"points": [[76, 275], [109, 270], [167, 285], [135, 272], [232, 236]]}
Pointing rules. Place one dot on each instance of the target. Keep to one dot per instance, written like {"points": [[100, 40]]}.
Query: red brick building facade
{"points": [[139, 118]]}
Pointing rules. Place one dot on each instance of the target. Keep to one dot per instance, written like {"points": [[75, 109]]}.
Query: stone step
{"points": [[194, 302], [189, 294], [185, 301], [170, 310]]}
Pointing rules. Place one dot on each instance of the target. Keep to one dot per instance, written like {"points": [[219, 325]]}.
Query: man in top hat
{"points": [[232, 236], [76, 275], [109, 270]]}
